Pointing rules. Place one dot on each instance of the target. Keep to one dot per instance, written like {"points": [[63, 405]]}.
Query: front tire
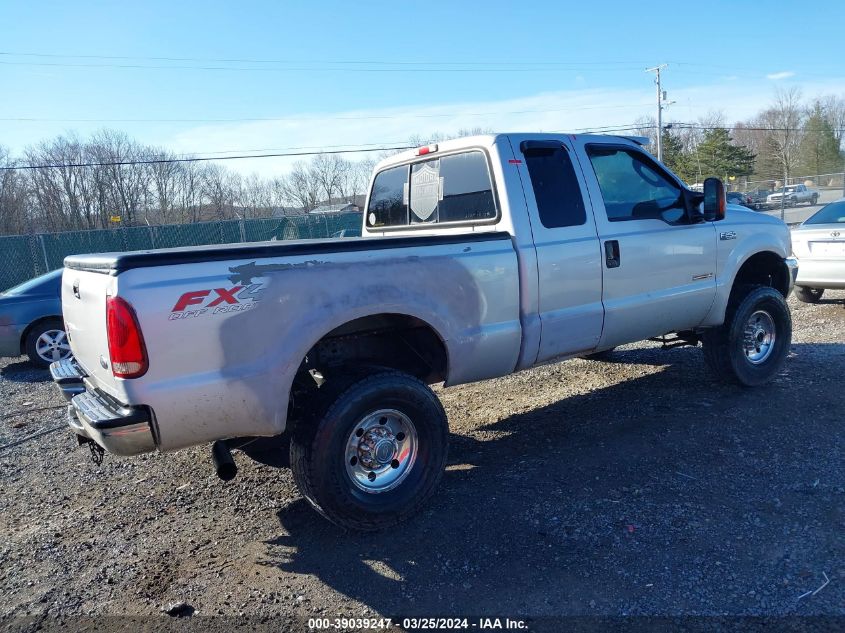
{"points": [[375, 455], [47, 342], [751, 346], [808, 295]]}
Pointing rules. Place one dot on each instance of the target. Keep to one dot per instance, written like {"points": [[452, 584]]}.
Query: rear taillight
{"points": [[126, 344]]}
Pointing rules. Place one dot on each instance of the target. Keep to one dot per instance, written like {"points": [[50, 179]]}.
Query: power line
{"points": [[740, 128], [345, 69], [577, 64], [372, 147], [194, 159], [324, 149], [569, 65], [322, 118]]}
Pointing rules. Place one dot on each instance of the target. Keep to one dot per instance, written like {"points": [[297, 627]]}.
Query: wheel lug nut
{"points": [[371, 476], [394, 463]]}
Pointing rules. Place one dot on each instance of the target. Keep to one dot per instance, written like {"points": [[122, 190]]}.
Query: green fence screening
{"points": [[25, 256]]}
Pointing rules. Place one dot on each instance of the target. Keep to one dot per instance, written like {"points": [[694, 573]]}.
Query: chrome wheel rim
{"points": [[52, 345], [759, 337], [381, 450]]}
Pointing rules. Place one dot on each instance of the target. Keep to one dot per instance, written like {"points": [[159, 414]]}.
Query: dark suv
{"points": [[737, 197], [757, 198]]}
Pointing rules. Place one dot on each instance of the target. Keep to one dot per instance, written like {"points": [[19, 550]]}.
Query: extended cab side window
{"points": [[452, 188], [556, 188], [633, 187], [387, 200]]}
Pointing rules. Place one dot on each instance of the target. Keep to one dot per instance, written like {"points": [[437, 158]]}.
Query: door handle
{"points": [[612, 257]]}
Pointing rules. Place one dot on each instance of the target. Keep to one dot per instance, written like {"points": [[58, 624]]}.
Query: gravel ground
{"points": [[632, 487]]}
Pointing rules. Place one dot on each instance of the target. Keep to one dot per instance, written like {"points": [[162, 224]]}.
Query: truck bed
{"points": [[227, 327]]}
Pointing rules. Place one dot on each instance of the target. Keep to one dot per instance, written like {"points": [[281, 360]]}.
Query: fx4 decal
{"points": [[216, 301]]}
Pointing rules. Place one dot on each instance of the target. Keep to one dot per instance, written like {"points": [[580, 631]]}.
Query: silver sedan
{"points": [[819, 245]]}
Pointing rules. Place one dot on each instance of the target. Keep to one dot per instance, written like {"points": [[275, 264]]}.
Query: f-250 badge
{"points": [[216, 301]]}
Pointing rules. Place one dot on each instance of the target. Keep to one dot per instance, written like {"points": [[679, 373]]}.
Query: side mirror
{"points": [[714, 199]]}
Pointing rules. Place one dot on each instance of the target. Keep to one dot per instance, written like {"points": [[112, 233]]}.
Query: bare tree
{"points": [[189, 192], [834, 111], [63, 193], [328, 170], [360, 176], [256, 197], [301, 188], [783, 135], [13, 199], [647, 126], [219, 188], [165, 180], [125, 179]]}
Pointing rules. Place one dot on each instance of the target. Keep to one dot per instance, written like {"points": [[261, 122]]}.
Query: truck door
{"points": [[568, 255], [658, 267]]}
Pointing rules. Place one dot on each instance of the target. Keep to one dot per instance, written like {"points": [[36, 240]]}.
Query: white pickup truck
{"points": [[480, 257], [793, 195]]}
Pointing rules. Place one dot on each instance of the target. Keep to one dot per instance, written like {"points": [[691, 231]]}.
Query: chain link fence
{"points": [[25, 256], [834, 182]]}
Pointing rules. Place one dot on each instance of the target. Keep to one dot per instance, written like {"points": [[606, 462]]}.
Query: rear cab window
{"points": [[555, 185], [450, 189]]}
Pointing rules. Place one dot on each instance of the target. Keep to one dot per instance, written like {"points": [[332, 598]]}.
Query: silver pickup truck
{"points": [[479, 257]]}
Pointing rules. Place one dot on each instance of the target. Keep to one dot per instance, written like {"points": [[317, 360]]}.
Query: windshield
{"points": [[834, 213], [45, 284]]}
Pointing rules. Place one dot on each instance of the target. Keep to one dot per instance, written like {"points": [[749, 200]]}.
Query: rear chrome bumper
{"points": [[118, 428]]}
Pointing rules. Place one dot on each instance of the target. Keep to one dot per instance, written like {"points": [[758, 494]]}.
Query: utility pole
{"points": [[657, 70], [783, 198]]}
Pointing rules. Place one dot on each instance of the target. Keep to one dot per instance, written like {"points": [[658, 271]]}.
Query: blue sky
{"points": [[424, 66]]}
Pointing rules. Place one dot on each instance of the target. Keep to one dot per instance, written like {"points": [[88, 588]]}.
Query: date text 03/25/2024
{"points": [[432, 624]]}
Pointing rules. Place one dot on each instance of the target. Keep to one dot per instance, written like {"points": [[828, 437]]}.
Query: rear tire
{"points": [[814, 201], [751, 346], [47, 342], [808, 295], [375, 454]]}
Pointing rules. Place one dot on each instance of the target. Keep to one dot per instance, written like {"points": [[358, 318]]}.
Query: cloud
{"points": [[560, 111], [557, 111], [784, 74]]}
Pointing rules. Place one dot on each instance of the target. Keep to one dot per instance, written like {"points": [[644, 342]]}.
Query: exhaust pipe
{"points": [[224, 464]]}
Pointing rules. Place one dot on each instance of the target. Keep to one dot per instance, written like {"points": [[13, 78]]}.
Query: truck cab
{"points": [[612, 246]]}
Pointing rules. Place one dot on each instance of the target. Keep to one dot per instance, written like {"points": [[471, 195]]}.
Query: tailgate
{"points": [[84, 309]]}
